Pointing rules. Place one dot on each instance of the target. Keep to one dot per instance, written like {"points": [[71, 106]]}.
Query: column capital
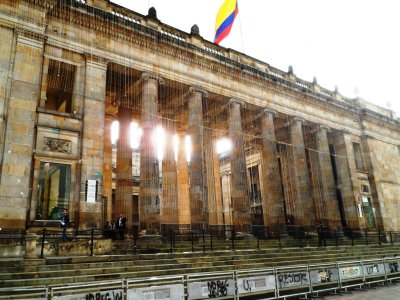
{"points": [[323, 127], [346, 132], [268, 111], [196, 89], [237, 101], [295, 119], [109, 117], [149, 75]]}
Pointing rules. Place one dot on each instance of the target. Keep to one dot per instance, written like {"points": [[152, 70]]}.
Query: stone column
{"points": [[226, 199], [303, 204], [149, 198], [218, 187], [93, 140], [210, 175], [239, 192], [183, 184], [123, 182], [198, 180], [273, 200], [107, 165], [169, 199], [18, 99], [330, 203], [347, 174]]}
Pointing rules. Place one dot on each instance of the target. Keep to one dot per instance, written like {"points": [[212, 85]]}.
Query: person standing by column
{"points": [[64, 224], [121, 225], [321, 234]]}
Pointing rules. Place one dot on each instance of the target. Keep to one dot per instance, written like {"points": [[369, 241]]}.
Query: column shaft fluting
{"points": [[123, 187], [149, 170], [183, 184], [331, 206], [210, 177], [107, 166], [198, 191], [303, 205], [273, 201], [169, 199], [347, 174], [239, 192]]}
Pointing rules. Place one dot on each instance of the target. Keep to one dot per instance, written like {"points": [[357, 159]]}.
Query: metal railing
{"points": [[56, 235], [281, 282]]}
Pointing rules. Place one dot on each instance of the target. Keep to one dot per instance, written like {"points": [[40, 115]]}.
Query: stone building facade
{"points": [[70, 68]]}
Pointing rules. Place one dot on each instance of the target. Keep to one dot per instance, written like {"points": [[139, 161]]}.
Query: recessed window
{"points": [[364, 188], [60, 85], [358, 156], [53, 190]]}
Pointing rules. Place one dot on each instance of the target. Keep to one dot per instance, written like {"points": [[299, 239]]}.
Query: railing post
{"points": [[301, 238], [279, 239], [352, 238], [391, 238], [233, 238], [192, 240], [366, 237], [173, 239], [91, 241], [43, 238], [171, 233], [336, 238], [379, 236], [204, 242], [258, 240], [134, 243], [211, 241]]}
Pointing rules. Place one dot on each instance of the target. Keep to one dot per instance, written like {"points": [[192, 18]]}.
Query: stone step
{"points": [[205, 261], [258, 255], [146, 273]]}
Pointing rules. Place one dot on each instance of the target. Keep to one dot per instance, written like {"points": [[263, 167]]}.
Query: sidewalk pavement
{"points": [[390, 292]]}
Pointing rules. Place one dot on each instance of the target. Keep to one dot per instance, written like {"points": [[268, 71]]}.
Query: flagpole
{"points": [[240, 25]]}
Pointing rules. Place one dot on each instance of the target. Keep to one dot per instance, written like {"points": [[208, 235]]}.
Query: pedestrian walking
{"points": [[64, 222]]}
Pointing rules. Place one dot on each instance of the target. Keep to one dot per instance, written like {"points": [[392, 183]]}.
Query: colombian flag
{"points": [[225, 17]]}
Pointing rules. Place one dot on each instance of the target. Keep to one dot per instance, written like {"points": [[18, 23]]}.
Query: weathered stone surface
{"points": [[100, 52]]}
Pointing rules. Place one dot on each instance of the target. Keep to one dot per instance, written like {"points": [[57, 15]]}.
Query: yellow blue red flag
{"points": [[225, 17]]}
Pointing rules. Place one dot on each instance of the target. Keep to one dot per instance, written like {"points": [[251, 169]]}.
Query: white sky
{"points": [[354, 44]]}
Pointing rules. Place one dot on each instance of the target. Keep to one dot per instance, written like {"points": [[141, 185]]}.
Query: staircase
{"points": [[124, 264]]}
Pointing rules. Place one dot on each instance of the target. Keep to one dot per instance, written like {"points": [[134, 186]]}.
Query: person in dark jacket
{"points": [[64, 224], [321, 234], [121, 225]]}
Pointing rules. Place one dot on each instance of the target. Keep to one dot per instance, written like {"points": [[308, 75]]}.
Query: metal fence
{"points": [[266, 283], [226, 237]]}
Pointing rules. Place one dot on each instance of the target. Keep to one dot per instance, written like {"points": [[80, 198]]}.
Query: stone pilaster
{"points": [[107, 165], [93, 140], [169, 199], [123, 182], [18, 116], [303, 204], [273, 200], [149, 197], [330, 201], [183, 184], [239, 192], [347, 174], [198, 180]]}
